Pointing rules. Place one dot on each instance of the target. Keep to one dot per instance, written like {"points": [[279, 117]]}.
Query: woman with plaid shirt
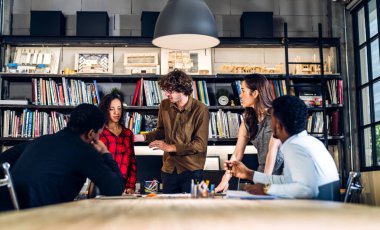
{"points": [[118, 138]]}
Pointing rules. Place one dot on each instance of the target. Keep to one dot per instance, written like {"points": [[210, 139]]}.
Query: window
{"points": [[366, 29]]}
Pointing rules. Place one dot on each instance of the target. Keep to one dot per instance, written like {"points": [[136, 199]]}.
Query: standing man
{"points": [[182, 133], [52, 168], [309, 169]]}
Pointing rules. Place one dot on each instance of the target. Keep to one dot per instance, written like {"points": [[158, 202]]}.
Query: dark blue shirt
{"points": [[53, 168]]}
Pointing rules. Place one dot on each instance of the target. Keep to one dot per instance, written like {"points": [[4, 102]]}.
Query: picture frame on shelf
{"points": [[194, 62], [87, 62], [141, 63]]}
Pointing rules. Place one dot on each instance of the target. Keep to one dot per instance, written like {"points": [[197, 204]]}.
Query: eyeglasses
{"points": [[169, 91]]}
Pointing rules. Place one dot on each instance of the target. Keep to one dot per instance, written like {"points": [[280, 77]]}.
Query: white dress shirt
{"points": [[307, 165]]}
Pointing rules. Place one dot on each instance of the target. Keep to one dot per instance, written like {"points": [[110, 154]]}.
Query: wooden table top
{"points": [[152, 213]]}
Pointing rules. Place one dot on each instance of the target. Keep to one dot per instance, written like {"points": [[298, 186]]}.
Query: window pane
{"points": [[367, 147], [376, 100], [375, 59], [365, 106], [372, 18], [361, 26], [377, 144], [363, 65]]}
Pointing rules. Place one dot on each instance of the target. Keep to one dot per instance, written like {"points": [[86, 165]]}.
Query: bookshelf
{"points": [[289, 63]]}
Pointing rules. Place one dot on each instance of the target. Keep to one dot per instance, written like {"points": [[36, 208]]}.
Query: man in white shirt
{"points": [[309, 169]]}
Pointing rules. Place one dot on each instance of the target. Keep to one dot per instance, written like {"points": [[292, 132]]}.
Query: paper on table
{"points": [[125, 196], [232, 194]]}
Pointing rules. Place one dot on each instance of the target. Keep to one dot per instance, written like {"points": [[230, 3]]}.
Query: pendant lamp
{"points": [[185, 25]]}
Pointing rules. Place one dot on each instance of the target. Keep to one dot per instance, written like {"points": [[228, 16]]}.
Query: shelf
{"points": [[155, 76], [77, 40], [304, 63], [331, 138], [14, 139], [127, 108], [222, 141], [316, 76], [225, 107], [55, 107], [124, 41], [328, 107], [211, 141], [232, 76]]}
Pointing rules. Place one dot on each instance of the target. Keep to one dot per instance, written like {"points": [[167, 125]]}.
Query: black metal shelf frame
{"points": [[284, 42]]}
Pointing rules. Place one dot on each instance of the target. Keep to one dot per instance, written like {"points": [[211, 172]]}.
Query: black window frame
{"points": [[372, 80]]}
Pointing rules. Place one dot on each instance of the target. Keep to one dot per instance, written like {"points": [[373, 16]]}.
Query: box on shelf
{"points": [[47, 23], [256, 24], [148, 23], [92, 23]]}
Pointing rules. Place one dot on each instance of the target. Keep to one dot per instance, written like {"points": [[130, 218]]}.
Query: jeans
{"points": [[180, 183]]}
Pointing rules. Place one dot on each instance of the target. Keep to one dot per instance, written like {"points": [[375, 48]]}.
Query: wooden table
{"points": [[152, 213]]}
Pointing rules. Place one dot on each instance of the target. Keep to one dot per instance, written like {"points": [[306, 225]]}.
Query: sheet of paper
{"points": [[232, 194]]}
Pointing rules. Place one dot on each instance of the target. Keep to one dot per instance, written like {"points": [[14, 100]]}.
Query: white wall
{"points": [[302, 16]]}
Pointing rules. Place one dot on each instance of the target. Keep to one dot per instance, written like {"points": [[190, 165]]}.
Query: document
{"points": [[125, 196], [233, 194]]}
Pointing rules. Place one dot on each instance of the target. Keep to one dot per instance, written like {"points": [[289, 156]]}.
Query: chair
{"points": [[7, 181], [354, 187]]}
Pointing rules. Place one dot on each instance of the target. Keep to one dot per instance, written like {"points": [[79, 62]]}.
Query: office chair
{"points": [[354, 187], [7, 181]]}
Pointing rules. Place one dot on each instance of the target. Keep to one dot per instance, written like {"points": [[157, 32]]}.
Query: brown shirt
{"points": [[187, 130]]}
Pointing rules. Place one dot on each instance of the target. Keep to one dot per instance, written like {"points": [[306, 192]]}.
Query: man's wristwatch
{"points": [[266, 188]]}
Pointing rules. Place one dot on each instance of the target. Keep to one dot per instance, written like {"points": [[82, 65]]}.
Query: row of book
{"points": [[224, 124], [32, 124], [278, 87], [69, 92], [335, 91], [154, 95], [315, 123]]}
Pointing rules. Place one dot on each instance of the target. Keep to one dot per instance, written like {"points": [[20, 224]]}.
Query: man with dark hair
{"points": [[53, 168], [182, 133], [309, 169]]}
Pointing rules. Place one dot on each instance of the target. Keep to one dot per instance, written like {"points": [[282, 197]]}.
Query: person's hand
{"points": [[129, 191], [138, 138], [257, 189], [161, 145], [238, 169], [223, 185], [99, 146]]}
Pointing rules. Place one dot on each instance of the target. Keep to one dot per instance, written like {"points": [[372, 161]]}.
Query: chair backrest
{"points": [[7, 181], [353, 186]]}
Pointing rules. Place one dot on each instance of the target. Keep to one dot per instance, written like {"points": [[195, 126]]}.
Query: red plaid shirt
{"points": [[122, 149]]}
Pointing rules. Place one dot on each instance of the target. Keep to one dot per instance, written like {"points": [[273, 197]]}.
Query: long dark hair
{"points": [[105, 104], [263, 101]]}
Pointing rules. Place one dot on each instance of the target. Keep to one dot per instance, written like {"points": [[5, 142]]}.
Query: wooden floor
{"points": [[153, 213]]}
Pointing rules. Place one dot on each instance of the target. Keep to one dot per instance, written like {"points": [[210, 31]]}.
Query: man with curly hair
{"points": [[182, 133]]}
